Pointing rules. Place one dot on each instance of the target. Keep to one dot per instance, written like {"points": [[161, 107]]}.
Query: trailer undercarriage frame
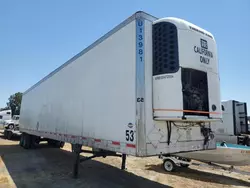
{"points": [[77, 150], [28, 141]]}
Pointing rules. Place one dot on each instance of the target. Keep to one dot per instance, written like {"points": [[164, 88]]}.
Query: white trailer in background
{"points": [[148, 87], [234, 127]]}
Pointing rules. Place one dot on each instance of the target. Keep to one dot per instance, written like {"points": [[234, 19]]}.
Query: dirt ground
{"points": [[50, 167]]}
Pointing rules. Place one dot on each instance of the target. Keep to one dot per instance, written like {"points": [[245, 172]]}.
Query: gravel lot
{"points": [[49, 167]]}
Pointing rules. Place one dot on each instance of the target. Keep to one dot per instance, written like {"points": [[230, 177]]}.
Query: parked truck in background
{"points": [[234, 127], [12, 123], [11, 127], [5, 115], [148, 87]]}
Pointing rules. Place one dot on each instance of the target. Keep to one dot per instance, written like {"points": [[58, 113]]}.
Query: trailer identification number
{"points": [[130, 135], [140, 99], [140, 40], [140, 59]]}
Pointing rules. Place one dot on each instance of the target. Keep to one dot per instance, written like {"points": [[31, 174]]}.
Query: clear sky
{"points": [[38, 36]]}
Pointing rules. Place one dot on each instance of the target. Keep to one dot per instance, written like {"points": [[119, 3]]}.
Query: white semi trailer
{"points": [[234, 127], [148, 87]]}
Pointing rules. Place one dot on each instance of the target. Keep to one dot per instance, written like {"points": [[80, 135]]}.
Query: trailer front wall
{"points": [[159, 140], [90, 101]]}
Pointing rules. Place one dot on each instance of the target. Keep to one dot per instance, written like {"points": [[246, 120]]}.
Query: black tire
{"points": [[5, 134], [32, 142], [55, 143], [21, 140], [9, 135], [24, 140], [35, 140], [61, 145], [169, 165], [27, 141], [51, 142]]}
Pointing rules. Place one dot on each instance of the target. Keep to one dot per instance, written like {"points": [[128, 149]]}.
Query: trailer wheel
{"points": [[55, 143], [34, 141], [169, 165], [52, 143], [5, 134], [26, 141], [9, 135], [59, 144], [21, 140], [62, 144]]}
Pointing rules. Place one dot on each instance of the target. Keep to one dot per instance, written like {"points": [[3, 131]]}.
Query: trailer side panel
{"points": [[90, 101]]}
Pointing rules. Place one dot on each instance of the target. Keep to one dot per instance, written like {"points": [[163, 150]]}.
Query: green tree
{"points": [[5, 108], [15, 103]]}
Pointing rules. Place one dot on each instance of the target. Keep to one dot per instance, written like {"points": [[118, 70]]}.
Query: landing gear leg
{"points": [[77, 150], [124, 156]]}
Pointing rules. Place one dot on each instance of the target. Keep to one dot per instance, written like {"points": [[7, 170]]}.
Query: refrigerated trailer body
{"points": [[150, 86]]}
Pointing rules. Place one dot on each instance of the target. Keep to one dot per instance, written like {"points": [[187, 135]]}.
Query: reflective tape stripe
{"points": [[97, 140], [116, 143], [130, 145]]}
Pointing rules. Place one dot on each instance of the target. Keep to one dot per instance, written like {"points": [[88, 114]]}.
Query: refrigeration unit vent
{"points": [[165, 48]]}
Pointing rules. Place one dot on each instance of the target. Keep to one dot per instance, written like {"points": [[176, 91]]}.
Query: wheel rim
{"points": [[11, 127], [168, 165]]}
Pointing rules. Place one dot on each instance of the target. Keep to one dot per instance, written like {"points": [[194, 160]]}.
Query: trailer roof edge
{"points": [[138, 14]]}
